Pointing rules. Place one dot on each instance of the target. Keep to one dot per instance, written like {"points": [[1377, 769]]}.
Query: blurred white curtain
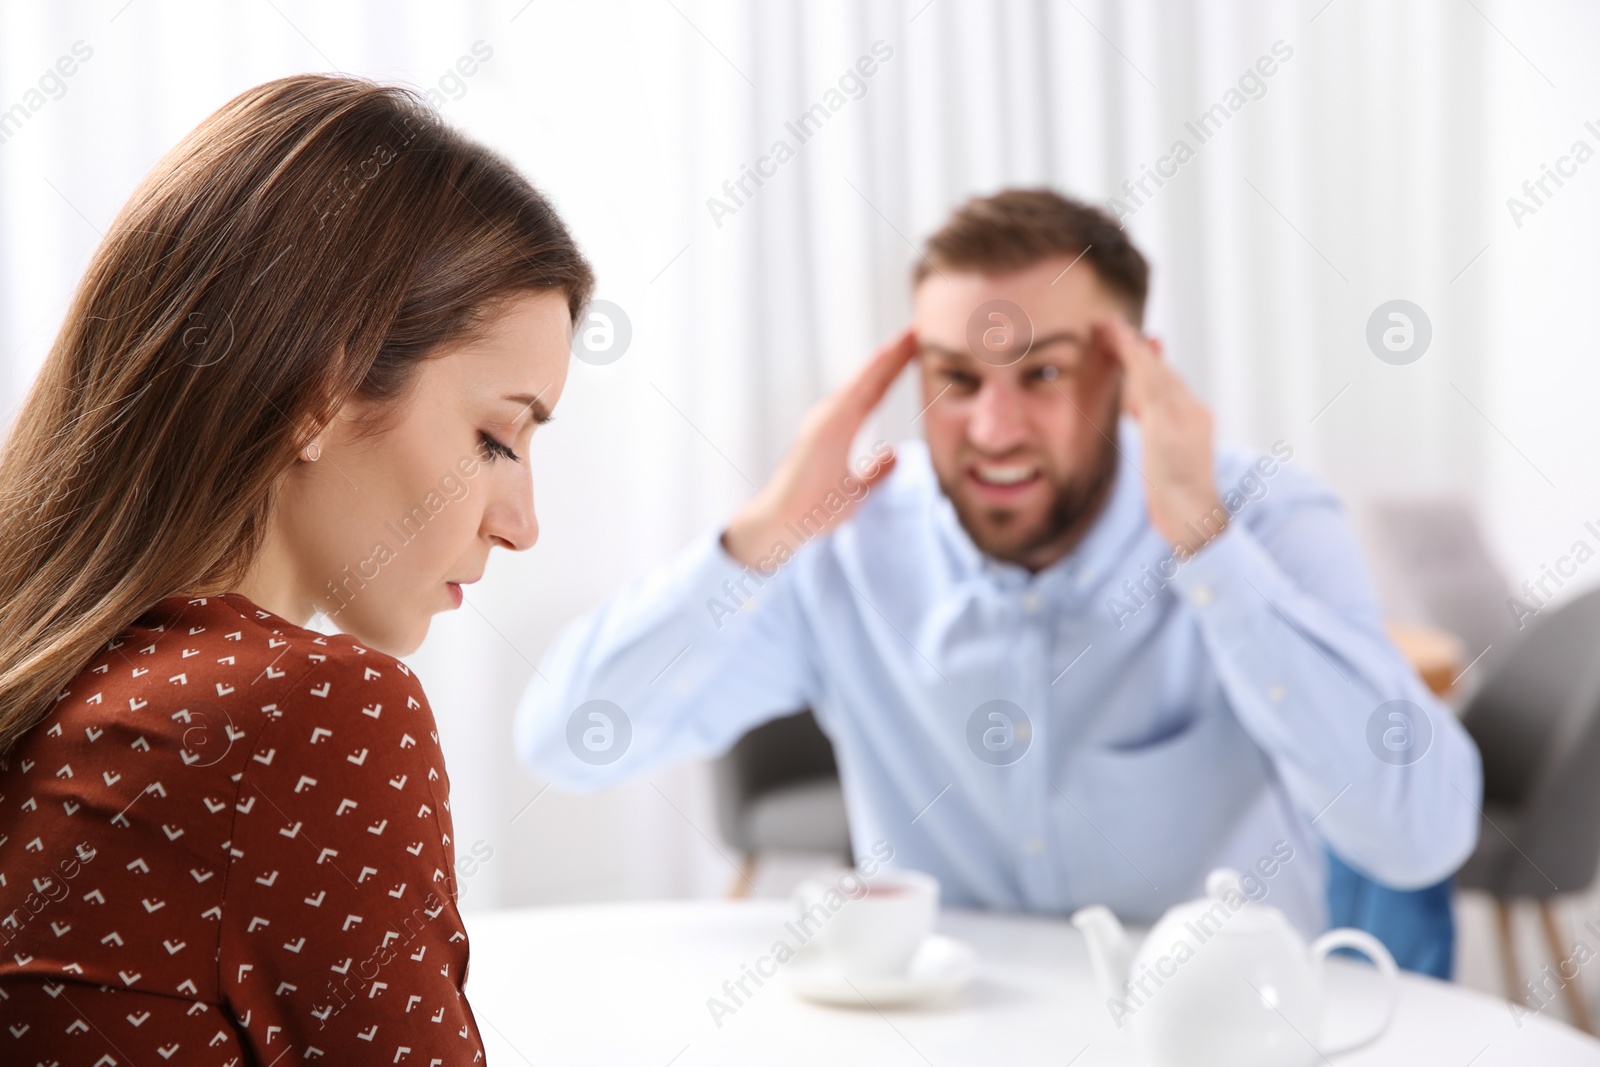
{"points": [[1371, 165]]}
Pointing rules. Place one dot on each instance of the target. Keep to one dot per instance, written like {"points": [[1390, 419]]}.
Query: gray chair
{"points": [[1432, 565], [777, 790], [1537, 723]]}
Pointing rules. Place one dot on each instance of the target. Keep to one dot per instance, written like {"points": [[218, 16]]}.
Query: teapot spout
{"points": [[1109, 951]]}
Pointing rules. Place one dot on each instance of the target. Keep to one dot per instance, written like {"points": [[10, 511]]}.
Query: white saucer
{"points": [[942, 966]]}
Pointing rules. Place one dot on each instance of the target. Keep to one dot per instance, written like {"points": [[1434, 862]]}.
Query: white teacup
{"points": [[869, 926]]}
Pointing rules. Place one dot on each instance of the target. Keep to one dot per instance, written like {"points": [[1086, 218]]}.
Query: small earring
{"points": [[312, 452]]}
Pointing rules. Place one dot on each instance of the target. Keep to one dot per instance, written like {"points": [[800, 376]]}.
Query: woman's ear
{"points": [[310, 438]]}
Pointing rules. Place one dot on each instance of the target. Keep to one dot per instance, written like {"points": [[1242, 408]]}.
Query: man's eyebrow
{"points": [[541, 414], [932, 349], [1069, 336], [1060, 337]]}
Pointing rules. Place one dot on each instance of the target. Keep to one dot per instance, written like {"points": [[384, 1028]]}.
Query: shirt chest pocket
{"points": [[1171, 763], [1160, 804]]}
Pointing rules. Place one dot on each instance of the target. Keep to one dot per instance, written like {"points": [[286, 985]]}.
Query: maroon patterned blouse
{"points": [[229, 842]]}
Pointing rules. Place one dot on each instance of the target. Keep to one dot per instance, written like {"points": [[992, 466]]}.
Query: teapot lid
{"points": [[1239, 914]]}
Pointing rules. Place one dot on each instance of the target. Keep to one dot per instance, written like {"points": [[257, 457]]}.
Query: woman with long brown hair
{"points": [[300, 374]]}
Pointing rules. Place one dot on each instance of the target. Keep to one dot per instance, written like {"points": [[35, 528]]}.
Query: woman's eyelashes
{"points": [[494, 450]]}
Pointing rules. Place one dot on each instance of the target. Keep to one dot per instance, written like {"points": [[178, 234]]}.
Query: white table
{"points": [[628, 984]]}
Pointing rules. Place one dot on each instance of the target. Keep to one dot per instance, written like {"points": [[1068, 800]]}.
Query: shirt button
{"points": [[1202, 595], [1031, 603], [1277, 692], [1034, 845]]}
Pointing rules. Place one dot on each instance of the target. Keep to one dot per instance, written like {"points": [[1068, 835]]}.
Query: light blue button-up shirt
{"points": [[1107, 730]]}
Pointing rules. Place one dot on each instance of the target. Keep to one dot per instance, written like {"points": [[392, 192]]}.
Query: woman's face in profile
{"points": [[382, 527]]}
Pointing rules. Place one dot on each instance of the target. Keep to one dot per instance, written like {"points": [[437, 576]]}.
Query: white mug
{"points": [[870, 926]]}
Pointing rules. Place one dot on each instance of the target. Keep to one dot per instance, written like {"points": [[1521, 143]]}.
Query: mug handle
{"points": [[1348, 937]]}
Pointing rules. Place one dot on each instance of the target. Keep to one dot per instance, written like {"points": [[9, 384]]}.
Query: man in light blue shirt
{"points": [[1065, 653]]}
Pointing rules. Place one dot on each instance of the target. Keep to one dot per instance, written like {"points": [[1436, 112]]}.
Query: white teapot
{"points": [[1223, 981]]}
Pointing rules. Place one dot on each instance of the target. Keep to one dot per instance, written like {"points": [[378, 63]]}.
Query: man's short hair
{"points": [[1017, 228]]}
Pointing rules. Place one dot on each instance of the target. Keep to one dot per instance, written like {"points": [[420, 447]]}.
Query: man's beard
{"points": [[1073, 506]]}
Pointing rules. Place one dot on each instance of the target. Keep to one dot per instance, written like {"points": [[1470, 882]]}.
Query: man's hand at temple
{"points": [[1179, 472], [819, 459]]}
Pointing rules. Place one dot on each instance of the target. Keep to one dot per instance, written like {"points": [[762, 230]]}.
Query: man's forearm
{"points": [[1317, 691], [662, 672]]}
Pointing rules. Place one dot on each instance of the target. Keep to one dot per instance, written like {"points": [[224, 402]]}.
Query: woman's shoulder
{"points": [[243, 648], [216, 678]]}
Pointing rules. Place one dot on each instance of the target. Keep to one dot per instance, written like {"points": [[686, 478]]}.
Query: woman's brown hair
{"points": [[310, 242]]}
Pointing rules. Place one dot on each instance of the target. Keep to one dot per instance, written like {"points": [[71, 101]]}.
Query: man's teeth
{"points": [[1010, 474]]}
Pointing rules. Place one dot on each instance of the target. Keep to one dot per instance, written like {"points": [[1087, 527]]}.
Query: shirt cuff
{"points": [[712, 559], [1231, 578], [706, 572]]}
